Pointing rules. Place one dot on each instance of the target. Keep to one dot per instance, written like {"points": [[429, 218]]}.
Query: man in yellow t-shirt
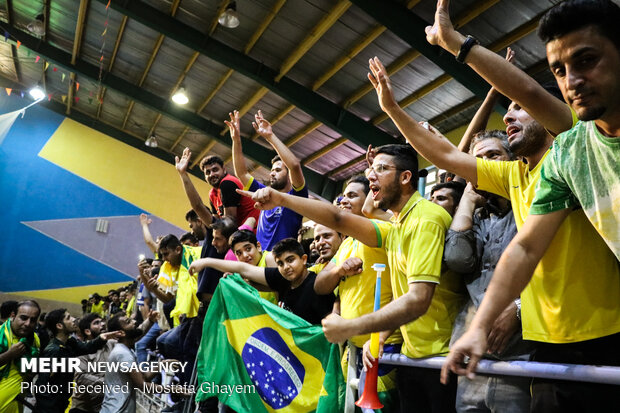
{"points": [[422, 307], [17, 341], [350, 273]]}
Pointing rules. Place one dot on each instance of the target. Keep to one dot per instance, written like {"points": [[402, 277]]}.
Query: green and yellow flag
{"points": [[255, 356]]}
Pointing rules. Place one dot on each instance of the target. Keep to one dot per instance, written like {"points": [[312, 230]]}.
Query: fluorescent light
{"points": [[180, 98]]}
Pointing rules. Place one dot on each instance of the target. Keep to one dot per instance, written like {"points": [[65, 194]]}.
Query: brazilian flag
{"points": [[255, 356]]}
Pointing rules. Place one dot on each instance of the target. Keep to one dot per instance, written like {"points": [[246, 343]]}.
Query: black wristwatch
{"points": [[470, 41]]}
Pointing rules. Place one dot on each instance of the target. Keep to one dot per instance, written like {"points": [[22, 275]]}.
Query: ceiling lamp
{"points": [[37, 26], [229, 18], [151, 142], [37, 93], [180, 97]]}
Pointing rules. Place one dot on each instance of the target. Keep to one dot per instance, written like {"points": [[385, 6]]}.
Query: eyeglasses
{"points": [[380, 168]]}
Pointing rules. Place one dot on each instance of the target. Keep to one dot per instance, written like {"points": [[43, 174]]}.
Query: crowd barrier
{"points": [[557, 371]]}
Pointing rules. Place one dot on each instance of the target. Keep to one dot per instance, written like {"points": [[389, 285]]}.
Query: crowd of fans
{"points": [[513, 257]]}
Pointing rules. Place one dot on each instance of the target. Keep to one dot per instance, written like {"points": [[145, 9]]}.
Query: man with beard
{"points": [[286, 177], [120, 401], [91, 326], [64, 345], [225, 201], [425, 300], [480, 231], [350, 270], [17, 341]]}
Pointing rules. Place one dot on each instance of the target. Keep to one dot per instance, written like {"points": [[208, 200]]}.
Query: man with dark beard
{"points": [[225, 201], [286, 176], [120, 401]]}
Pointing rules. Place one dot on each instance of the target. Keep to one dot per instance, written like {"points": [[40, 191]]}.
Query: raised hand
{"points": [[472, 344], [144, 219], [510, 55], [370, 155], [381, 82], [262, 126], [233, 125], [183, 163], [264, 198], [442, 32]]}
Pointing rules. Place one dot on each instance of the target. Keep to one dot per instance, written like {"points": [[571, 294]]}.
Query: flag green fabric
{"points": [[255, 356]]}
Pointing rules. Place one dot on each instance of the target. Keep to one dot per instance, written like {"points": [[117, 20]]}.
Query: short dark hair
{"points": [[287, 245], [7, 308], [405, 159], [169, 241], [360, 179], [242, 235], [191, 215], [491, 134], [210, 160], [86, 321], [114, 323], [456, 187], [572, 15], [276, 159], [188, 236], [54, 317], [225, 225]]}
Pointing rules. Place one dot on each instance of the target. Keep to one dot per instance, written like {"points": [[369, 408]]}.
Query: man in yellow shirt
{"points": [[425, 304], [17, 340], [350, 272]]}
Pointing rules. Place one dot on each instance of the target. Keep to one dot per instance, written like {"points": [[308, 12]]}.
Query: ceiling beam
{"points": [[315, 34], [410, 27], [346, 123], [61, 58], [77, 45], [404, 60], [117, 44]]}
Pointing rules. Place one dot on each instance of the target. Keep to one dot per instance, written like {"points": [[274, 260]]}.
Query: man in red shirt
{"points": [[225, 201]]}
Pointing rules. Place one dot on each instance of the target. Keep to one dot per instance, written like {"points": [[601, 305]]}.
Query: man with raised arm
{"points": [[286, 176], [425, 300]]}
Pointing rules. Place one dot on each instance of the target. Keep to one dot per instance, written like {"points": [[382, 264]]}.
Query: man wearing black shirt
{"points": [[62, 325], [291, 280]]}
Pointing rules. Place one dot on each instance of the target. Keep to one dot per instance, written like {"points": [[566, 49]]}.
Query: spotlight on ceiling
{"points": [[229, 18], [151, 142], [180, 97], [37, 93], [37, 26]]}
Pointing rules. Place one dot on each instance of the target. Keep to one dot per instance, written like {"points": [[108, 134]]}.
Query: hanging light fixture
{"points": [[151, 142], [180, 97], [37, 26], [37, 93], [229, 18]]}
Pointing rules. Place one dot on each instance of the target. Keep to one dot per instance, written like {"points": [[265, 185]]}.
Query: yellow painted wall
{"points": [[129, 173]]}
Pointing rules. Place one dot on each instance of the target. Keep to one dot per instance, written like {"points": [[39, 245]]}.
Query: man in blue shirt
{"points": [[286, 176]]}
